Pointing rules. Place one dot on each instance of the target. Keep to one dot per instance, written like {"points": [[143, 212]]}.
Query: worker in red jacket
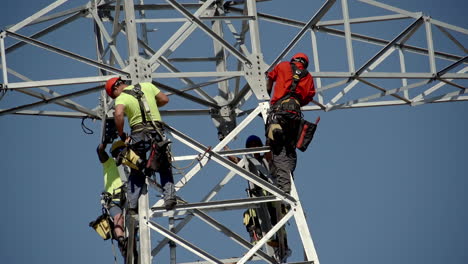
{"points": [[294, 87]]}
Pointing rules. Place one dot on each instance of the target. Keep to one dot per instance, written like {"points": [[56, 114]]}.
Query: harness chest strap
{"points": [[297, 75], [142, 102]]}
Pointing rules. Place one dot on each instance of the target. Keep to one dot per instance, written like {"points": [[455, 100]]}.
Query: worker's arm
{"points": [[231, 158], [101, 151], [269, 85], [119, 120], [161, 99]]}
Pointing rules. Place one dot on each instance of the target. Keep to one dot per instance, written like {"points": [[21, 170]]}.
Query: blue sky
{"points": [[379, 185]]}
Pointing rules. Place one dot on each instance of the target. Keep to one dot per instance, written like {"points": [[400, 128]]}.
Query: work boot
{"points": [[169, 196]]}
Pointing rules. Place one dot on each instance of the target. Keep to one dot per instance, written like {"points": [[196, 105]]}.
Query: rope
{"points": [[86, 129], [180, 170], [106, 211]]}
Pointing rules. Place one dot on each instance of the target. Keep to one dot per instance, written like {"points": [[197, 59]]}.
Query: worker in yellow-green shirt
{"points": [[140, 103], [113, 187]]}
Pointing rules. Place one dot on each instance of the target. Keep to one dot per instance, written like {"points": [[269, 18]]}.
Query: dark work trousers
{"points": [[284, 150], [284, 163], [142, 144]]}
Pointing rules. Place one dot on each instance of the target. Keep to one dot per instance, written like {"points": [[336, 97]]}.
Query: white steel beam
{"points": [[303, 228], [430, 45], [160, 75], [312, 22], [49, 113], [170, 45], [66, 53], [3, 65], [404, 81], [389, 45], [231, 166], [38, 14], [58, 82], [347, 29], [315, 57], [108, 38], [49, 29], [235, 237], [212, 193], [66, 103], [266, 237], [207, 30], [184, 243], [353, 83], [391, 8], [452, 38], [144, 254], [50, 100], [448, 26]]}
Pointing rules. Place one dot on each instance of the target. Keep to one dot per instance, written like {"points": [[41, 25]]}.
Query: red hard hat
{"points": [[109, 84], [301, 56]]}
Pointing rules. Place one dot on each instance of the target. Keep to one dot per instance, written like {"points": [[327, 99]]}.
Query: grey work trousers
{"points": [[136, 180], [284, 162]]}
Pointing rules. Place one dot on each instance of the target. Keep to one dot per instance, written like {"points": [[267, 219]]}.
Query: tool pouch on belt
{"points": [[306, 134], [128, 157], [274, 130], [159, 150], [102, 226]]}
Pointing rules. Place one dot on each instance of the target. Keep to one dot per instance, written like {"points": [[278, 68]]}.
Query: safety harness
{"points": [[143, 103], [285, 123], [290, 102], [149, 125]]}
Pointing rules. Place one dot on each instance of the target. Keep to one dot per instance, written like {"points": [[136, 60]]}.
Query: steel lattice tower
{"points": [[125, 47]]}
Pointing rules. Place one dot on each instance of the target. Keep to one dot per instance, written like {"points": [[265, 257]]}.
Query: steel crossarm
{"points": [[65, 53], [38, 14], [49, 29], [58, 82], [49, 113], [65, 103], [389, 45], [51, 100]]}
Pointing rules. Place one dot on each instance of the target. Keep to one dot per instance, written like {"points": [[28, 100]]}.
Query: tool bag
{"points": [[103, 226], [306, 134], [252, 225]]}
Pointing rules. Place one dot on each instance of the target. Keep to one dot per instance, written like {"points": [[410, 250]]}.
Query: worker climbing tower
{"points": [[186, 49]]}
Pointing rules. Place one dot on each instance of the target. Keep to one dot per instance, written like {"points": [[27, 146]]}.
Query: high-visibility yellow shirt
{"points": [[112, 180], [132, 108]]}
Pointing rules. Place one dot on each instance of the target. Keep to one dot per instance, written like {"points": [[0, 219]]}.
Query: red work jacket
{"points": [[282, 76]]}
